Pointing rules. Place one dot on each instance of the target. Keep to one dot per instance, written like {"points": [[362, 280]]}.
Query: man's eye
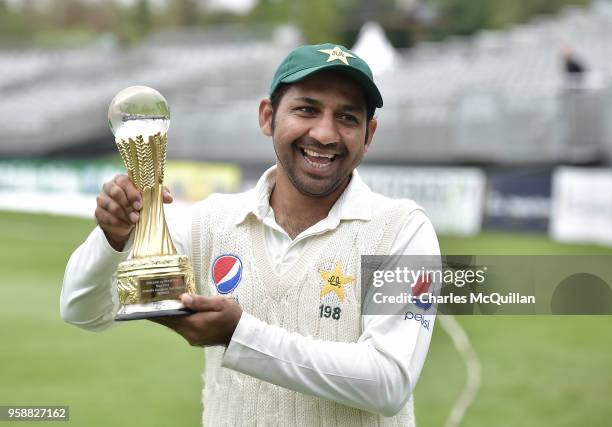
{"points": [[307, 110], [348, 118]]}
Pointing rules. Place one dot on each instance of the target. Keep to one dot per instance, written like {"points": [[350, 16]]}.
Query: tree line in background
{"points": [[406, 21]]}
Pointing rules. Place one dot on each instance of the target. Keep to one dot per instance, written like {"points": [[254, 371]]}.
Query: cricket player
{"points": [[290, 347]]}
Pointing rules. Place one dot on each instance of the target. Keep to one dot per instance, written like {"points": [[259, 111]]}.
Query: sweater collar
{"points": [[352, 204]]}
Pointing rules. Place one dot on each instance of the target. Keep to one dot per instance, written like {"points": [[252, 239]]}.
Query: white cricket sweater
{"points": [[290, 300]]}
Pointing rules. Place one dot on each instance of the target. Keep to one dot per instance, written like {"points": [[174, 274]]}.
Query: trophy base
{"points": [[153, 314], [152, 310], [150, 287]]}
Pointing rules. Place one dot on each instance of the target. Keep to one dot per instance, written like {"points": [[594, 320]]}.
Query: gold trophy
{"points": [[151, 280]]}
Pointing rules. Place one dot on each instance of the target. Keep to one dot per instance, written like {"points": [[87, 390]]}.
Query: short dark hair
{"points": [[277, 95], [275, 99]]}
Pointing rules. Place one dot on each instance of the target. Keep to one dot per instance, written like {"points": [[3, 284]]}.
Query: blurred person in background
{"points": [[574, 68], [290, 347]]}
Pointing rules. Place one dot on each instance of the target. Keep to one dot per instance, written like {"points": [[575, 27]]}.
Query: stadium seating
{"points": [[500, 96]]}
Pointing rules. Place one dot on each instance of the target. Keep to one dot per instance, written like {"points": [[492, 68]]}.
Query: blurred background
{"points": [[497, 119]]}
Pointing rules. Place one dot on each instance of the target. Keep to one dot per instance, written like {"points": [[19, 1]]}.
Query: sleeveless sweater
{"points": [[290, 300]]}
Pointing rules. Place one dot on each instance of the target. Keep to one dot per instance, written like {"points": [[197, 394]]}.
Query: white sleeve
{"points": [[376, 374], [89, 296]]}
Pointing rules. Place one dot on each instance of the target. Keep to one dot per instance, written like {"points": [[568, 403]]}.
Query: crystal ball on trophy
{"points": [[138, 110], [150, 282]]}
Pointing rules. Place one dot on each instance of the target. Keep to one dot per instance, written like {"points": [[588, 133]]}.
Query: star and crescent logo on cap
{"points": [[337, 54], [335, 281]]}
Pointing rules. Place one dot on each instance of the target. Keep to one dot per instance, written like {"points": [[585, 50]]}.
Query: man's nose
{"points": [[325, 130]]}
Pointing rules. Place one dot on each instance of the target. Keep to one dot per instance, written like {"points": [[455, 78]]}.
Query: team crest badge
{"points": [[335, 281], [337, 54], [226, 273]]}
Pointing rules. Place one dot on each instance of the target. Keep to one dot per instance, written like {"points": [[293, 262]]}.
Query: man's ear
{"points": [[265, 116], [372, 125]]}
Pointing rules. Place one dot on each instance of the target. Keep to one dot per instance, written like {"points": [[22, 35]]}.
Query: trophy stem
{"points": [[152, 237]]}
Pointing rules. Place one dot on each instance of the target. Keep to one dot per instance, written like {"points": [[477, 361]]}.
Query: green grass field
{"points": [[537, 371]]}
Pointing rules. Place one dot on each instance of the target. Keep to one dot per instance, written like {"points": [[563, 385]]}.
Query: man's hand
{"points": [[213, 323], [118, 207]]}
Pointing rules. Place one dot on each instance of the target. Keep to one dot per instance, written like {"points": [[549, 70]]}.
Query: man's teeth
{"points": [[315, 154]]}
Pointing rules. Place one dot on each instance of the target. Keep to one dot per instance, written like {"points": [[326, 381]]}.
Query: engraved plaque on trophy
{"points": [[151, 280]]}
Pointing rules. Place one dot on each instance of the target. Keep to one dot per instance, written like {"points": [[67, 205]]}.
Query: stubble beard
{"points": [[303, 187]]}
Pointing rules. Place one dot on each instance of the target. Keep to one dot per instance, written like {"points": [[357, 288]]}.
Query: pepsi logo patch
{"points": [[226, 273], [422, 287]]}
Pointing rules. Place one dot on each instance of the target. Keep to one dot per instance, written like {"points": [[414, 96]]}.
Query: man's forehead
{"points": [[329, 84]]}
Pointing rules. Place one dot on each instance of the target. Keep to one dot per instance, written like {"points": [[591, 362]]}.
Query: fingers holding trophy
{"points": [[150, 282]]}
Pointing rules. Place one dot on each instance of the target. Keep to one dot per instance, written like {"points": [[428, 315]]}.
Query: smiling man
{"points": [[291, 346], [320, 129]]}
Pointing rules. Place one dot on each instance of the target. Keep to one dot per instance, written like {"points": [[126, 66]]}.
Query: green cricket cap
{"points": [[303, 61]]}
